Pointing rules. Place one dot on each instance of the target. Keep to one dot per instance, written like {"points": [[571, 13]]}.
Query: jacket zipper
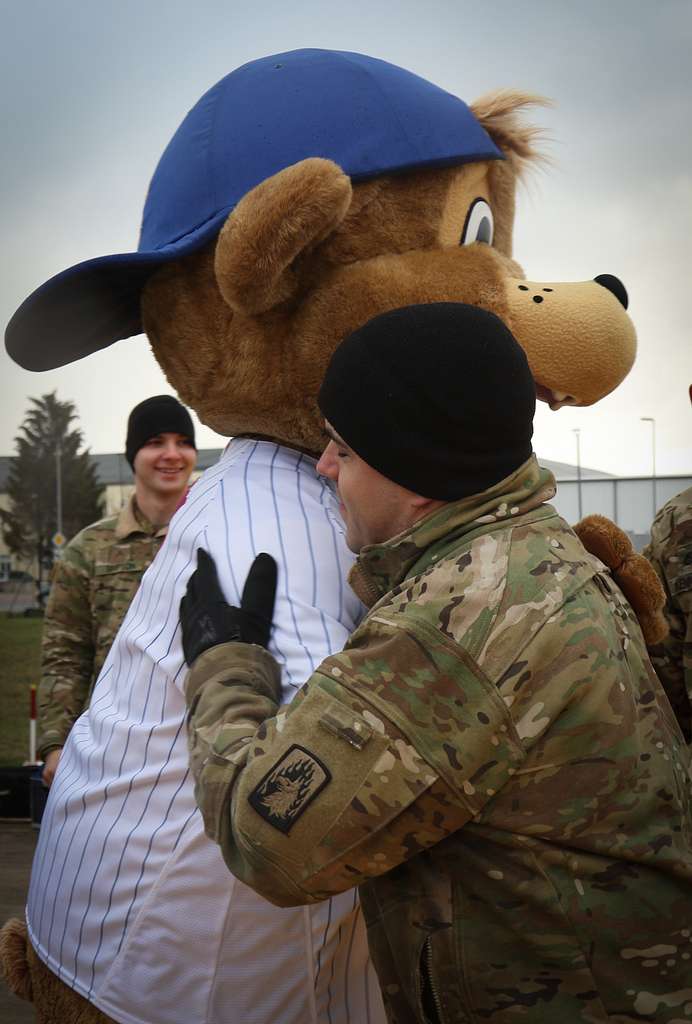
{"points": [[427, 947]]}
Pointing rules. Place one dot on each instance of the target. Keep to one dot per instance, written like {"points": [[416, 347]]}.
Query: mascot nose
{"points": [[614, 285]]}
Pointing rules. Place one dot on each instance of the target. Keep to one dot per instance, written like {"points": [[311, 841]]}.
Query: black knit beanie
{"points": [[161, 414], [438, 398]]}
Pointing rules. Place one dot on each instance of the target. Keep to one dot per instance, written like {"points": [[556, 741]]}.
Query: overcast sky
{"points": [[92, 92]]}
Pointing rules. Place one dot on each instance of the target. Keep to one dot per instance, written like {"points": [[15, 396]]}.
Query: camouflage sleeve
{"points": [[354, 776], [670, 553], [231, 689], [67, 650]]}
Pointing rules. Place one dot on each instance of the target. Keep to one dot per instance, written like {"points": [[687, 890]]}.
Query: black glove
{"points": [[206, 618]]}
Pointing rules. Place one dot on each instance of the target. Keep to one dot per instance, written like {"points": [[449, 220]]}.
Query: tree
{"points": [[44, 439]]}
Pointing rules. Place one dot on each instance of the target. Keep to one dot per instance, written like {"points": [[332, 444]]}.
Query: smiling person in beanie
{"points": [[100, 570], [491, 758]]}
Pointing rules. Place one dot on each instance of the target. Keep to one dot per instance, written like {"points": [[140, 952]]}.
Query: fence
{"points": [[631, 502]]}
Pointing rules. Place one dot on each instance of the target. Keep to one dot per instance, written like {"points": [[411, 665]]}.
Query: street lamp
{"points": [[652, 421], [58, 538], [58, 487], [576, 431]]}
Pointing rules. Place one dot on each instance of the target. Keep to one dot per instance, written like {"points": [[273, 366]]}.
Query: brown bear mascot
{"points": [[304, 193]]}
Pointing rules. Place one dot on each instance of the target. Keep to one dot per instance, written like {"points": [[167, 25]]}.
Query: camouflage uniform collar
{"points": [[380, 567], [132, 520]]}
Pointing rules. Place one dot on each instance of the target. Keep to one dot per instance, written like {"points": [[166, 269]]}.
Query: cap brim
{"points": [[91, 305]]}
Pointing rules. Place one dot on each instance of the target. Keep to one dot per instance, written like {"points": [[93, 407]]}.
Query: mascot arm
{"points": [[634, 575]]}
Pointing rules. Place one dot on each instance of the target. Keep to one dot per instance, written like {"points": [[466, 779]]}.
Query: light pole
{"points": [[58, 538], [652, 421], [576, 431], [58, 487]]}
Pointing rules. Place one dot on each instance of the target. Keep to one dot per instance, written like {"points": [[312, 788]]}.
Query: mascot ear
{"points": [[500, 113], [258, 251]]}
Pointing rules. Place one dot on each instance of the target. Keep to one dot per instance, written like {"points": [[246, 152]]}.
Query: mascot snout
{"points": [[563, 327]]}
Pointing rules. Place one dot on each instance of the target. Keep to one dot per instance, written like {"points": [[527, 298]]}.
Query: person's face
{"points": [[163, 465], [373, 507]]}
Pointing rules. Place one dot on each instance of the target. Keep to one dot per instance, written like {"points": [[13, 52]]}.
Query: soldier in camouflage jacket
{"points": [[491, 759], [93, 585], [101, 568], [670, 552]]}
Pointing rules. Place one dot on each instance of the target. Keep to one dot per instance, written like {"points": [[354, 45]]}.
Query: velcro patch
{"points": [[289, 788], [682, 583], [347, 726]]}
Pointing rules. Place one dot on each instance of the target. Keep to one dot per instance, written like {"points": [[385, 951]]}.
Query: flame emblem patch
{"points": [[289, 788]]}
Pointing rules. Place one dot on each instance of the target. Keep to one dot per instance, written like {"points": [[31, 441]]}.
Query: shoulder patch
{"points": [[289, 787]]}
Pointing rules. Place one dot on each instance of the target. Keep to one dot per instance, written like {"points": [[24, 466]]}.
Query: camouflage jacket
{"points": [[92, 587], [491, 759], [670, 552]]}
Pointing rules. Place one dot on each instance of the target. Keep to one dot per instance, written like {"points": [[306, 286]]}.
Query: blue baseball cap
{"points": [[368, 116]]}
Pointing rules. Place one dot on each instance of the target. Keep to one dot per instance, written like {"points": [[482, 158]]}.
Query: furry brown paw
{"points": [[13, 961], [635, 576]]}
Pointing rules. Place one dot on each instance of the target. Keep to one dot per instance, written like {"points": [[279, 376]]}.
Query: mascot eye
{"points": [[479, 226]]}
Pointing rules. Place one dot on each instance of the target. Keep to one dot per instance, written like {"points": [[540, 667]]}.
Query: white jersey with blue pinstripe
{"points": [[130, 903]]}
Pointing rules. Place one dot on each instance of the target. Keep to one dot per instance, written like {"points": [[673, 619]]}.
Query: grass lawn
{"points": [[20, 644]]}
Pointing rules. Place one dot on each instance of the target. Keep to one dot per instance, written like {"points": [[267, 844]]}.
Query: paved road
{"points": [[17, 842]]}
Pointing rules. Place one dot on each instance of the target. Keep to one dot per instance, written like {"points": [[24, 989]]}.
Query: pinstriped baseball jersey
{"points": [[129, 902]]}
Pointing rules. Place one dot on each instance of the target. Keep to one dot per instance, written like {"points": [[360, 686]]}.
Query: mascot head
{"points": [[304, 194]]}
